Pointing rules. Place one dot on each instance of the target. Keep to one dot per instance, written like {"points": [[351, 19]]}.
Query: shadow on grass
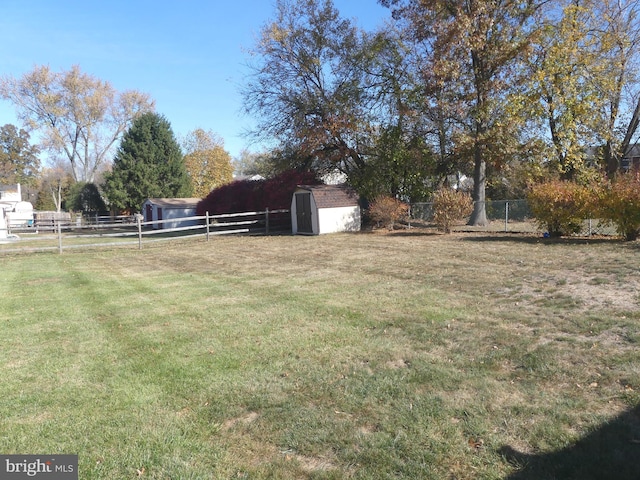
{"points": [[413, 233], [538, 239], [400, 230], [611, 451], [478, 236]]}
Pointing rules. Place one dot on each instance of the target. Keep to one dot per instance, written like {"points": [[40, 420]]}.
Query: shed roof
{"points": [[332, 196], [174, 202]]}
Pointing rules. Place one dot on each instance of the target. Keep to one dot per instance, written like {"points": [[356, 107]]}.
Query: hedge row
{"points": [[561, 206], [255, 195]]}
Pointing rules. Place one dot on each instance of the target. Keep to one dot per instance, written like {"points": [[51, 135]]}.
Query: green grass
{"points": [[342, 356]]}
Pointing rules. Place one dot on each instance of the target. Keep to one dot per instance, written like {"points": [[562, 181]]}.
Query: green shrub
{"points": [[449, 207], [621, 205], [387, 211], [561, 206]]}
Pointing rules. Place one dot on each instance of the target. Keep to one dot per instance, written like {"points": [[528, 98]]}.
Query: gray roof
{"points": [[633, 151]]}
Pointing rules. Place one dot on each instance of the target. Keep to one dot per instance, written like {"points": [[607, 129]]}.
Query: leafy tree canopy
{"points": [[505, 91], [19, 162], [54, 186], [307, 89], [208, 163], [252, 163]]}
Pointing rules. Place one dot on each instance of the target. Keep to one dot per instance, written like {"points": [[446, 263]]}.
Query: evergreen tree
{"points": [[148, 164], [84, 197]]}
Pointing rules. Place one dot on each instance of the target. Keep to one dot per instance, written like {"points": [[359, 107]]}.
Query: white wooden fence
{"points": [[134, 231]]}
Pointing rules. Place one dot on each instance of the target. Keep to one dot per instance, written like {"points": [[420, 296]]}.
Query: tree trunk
{"points": [[631, 130], [611, 160], [479, 215], [481, 82], [57, 196]]}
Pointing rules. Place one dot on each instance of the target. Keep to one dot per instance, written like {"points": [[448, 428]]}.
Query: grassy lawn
{"points": [[405, 355]]}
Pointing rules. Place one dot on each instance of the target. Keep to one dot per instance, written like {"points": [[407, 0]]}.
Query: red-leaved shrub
{"points": [[255, 195]]}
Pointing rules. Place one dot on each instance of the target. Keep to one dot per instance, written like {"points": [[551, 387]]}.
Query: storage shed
{"points": [[171, 210], [318, 209]]}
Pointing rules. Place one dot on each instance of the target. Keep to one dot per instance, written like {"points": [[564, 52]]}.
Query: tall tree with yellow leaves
{"points": [[208, 163], [559, 91], [583, 76], [618, 25]]}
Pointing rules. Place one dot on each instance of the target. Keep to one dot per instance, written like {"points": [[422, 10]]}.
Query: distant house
{"points": [[169, 211], [10, 193], [319, 209], [631, 160]]}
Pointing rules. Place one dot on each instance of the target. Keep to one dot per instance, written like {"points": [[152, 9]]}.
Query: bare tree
{"points": [[79, 116], [306, 88], [54, 184]]}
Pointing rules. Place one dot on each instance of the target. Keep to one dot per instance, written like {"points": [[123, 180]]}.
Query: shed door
{"points": [[303, 212], [149, 211], [160, 225]]}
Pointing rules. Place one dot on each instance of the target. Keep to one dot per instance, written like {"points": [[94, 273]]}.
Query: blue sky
{"points": [[190, 56]]}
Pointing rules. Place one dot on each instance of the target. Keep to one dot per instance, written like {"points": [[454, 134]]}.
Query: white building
{"points": [[4, 233], [319, 209], [171, 210], [18, 213]]}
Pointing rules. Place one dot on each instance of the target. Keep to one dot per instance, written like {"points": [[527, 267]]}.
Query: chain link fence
{"points": [[510, 216]]}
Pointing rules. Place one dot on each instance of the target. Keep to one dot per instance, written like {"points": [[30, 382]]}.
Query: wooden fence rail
{"points": [[69, 234]]}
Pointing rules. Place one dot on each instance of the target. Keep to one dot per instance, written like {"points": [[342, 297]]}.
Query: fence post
{"points": [[266, 220], [59, 237], [139, 232], [409, 216], [506, 216], [207, 220]]}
